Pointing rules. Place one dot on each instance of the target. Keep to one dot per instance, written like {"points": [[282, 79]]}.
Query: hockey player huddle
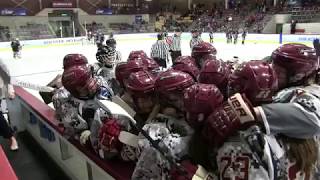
{"points": [[200, 119]]}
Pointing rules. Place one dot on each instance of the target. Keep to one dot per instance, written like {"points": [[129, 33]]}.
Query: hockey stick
{"points": [[114, 108], [29, 85], [124, 105]]}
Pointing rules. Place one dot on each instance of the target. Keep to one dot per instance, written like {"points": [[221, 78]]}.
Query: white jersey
{"points": [[173, 135], [251, 155], [237, 160], [283, 167], [100, 115], [303, 121], [67, 111]]}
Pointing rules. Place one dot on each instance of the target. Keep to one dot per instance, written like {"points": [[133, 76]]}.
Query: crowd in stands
{"points": [[26, 32], [5, 33], [136, 27], [216, 19], [34, 31]]}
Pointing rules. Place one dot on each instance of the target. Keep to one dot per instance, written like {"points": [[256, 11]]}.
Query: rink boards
{"points": [[29, 113], [218, 37]]}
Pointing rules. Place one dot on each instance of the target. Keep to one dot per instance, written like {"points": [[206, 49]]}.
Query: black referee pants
{"points": [[5, 130], [174, 55], [161, 62]]}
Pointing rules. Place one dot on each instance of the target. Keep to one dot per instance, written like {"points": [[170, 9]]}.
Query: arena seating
{"points": [[99, 27], [34, 31], [305, 14], [4, 33]]}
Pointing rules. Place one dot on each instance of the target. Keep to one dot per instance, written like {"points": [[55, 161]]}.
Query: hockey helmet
{"points": [[124, 69], [111, 43], [215, 72], [141, 87], [137, 54], [79, 82], [256, 79], [140, 83], [299, 61], [107, 56], [150, 64], [173, 80], [202, 51], [120, 72], [199, 101], [170, 85], [186, 64], [71, 60]]}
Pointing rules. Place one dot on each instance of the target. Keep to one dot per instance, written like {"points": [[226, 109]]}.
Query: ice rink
{"points": [[40, 65]]}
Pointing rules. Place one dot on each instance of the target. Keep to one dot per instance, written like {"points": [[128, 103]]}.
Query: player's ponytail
{"points": [[302, 151]]}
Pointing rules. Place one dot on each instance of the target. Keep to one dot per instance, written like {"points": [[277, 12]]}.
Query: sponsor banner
{"points": [[45, 42], [104, 11], [13, 11], [61, 4], [299, 38]]}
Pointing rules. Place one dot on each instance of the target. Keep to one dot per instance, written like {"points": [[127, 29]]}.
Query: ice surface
{"points": [[41, 65]]}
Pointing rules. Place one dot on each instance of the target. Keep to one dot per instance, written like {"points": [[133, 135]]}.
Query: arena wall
{"points": [[306, 28], [218, 37]]}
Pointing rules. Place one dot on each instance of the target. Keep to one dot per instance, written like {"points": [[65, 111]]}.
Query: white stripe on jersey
{"points": [[160, 49], [176, 43]]}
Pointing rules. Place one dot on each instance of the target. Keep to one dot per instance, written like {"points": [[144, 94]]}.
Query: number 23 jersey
{"points": [[236, 162]]}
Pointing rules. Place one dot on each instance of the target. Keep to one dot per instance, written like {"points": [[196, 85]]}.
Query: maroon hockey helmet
{"points": [[120, 72], [180, 59], [71, 60], [135, 66], [124, 69], [173, 80], [256, 79], [150, 64], [186, 64], [215, 72], [201, 51], [137, 54], [140, 83], [79, 82], [299, 60], [199, 101]]}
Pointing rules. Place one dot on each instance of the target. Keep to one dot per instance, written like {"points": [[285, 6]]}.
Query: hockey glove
{"points": [[84, 137], [235, 114], [109, 136]]}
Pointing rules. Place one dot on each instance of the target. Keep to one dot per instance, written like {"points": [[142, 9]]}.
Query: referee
{"points": [[175, 47], [160, 51], [196, 38]]}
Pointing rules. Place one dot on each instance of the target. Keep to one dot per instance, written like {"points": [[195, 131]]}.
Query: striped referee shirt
{"points": [[176, 43], [160, 49], [195, 41]]}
